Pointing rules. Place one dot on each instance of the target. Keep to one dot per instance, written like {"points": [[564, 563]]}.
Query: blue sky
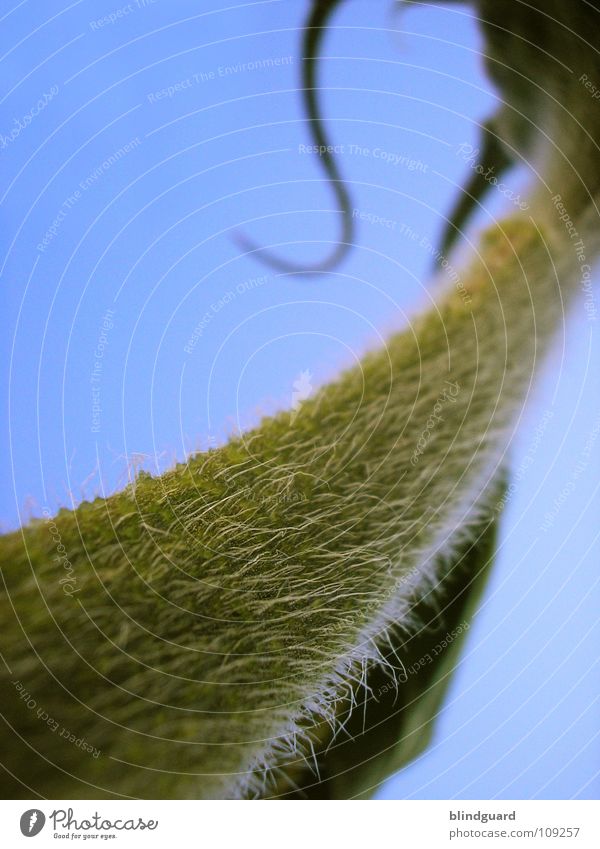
{"points": [[136, 140]]}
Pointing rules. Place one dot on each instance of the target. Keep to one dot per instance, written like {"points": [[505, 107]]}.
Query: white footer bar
{"points": [[302, 825]]}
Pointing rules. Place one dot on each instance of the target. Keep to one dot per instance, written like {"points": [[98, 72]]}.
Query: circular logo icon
{"points": [[32, 822]]}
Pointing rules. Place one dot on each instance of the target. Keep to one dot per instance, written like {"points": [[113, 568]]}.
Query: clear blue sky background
{"points": [[150, 238]]}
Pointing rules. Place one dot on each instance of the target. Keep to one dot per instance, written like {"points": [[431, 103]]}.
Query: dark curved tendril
{"points": [[313, 35], [495, 154]]}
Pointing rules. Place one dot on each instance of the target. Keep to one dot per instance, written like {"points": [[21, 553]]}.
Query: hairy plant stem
{"points": [[186, 628], [209, 610]]}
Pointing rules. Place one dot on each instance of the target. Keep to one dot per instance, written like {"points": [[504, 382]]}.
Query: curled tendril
{"points": [[494, 153], [314, 30]]}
